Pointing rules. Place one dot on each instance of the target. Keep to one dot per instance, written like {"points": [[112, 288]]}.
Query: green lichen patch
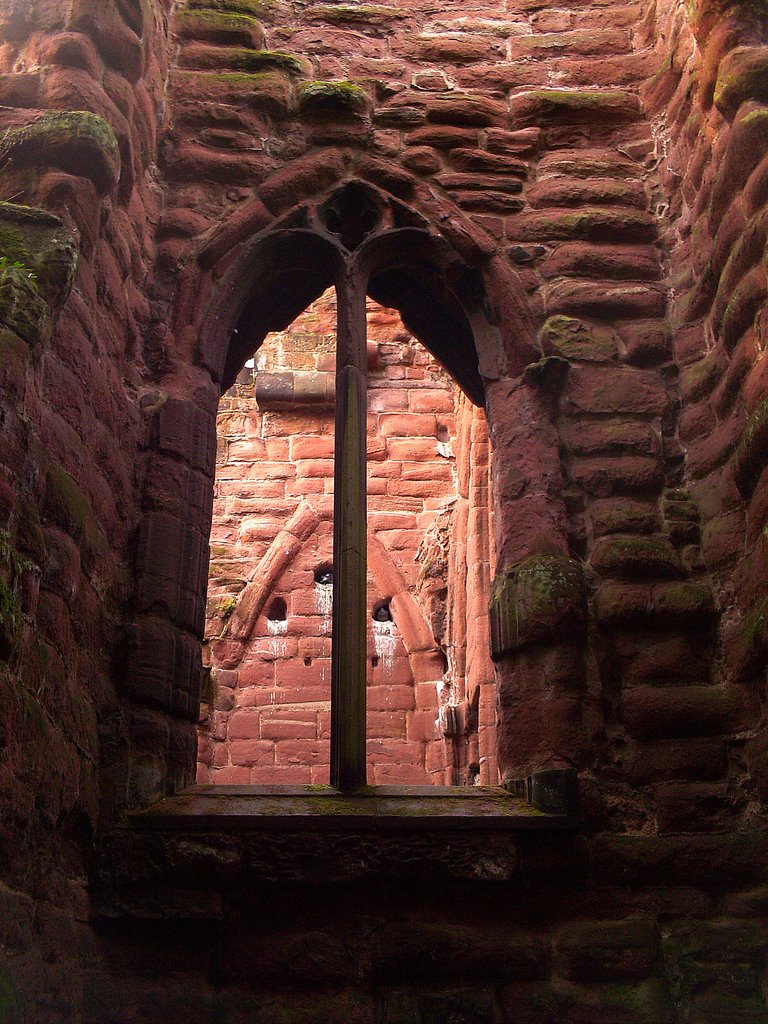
{"points": [[278, 60], [77, 141], [537, 600], [577, 339], [749, 458], [226, 27], [698, 378], [12, 566], [253, 62], [261, 9], [320, 100], [37, 246], [22, 309], [67, 507], [636, 557], [742, 76], [353, 14]]}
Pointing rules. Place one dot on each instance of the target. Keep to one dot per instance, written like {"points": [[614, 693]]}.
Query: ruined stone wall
{"points": [[712, 163], [607, 162], [81, 87]]}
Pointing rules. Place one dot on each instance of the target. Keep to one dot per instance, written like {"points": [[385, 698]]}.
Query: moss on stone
{"points": [[698, 377], [636, 557], [22, 308], [78, 141], [255, 61], [754, 625], [535, 600], [11, 620], [749, 458], [68, 507], [743, 75], [224, 26], [35, 246], [375, 14], [213, 18], [331, 99], [254, 8], [278, 60]]}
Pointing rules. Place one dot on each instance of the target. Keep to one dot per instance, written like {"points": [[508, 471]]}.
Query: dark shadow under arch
{"points": [[441, 300]]}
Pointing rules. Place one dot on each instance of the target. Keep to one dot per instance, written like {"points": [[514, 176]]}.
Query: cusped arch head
{"points": [[284, 270], [405, 262]]}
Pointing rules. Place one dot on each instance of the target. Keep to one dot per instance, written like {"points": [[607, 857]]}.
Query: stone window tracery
{"points": [[364, 233]]}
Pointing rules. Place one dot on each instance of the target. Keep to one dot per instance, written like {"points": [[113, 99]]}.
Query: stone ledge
{"points": [[188, 855], [322, 808]]}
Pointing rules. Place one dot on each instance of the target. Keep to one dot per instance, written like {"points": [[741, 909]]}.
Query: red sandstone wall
{"points": [[74, 312], [605, 206], [713, 164]]}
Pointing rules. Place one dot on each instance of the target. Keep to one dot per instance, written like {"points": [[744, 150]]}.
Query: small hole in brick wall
{"points": [[374, 661], [324, 575], [382, 612], [277, 610], [307, 662]]}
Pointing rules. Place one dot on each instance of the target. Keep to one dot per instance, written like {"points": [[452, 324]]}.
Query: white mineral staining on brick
{"points": [[384, 642]]}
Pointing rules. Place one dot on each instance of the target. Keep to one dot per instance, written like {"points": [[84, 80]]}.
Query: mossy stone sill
{"points": [[323, 808]]}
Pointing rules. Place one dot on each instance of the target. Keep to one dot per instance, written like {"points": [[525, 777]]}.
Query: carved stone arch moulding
{"points": [[269, 269], [459, 298]]}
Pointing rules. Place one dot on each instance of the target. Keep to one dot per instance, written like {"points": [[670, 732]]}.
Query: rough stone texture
{"points": [[593, 180]]}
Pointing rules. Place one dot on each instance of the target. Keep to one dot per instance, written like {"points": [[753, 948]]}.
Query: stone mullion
{"points": [[348, 655]]}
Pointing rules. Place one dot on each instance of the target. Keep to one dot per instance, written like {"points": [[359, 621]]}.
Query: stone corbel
{"points": [[541, 599]]}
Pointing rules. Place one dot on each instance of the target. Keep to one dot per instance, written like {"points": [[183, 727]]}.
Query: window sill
{"points": [[319, 808], [189, 855]]}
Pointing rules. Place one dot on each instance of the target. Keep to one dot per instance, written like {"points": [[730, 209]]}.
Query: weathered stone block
{"points": [[77, 141], [636, 557], [613, 475], [464, 109], [584, 224], [609, 950], [617, 390], [534, 600], [548, 106], [578, 339], [617, 603], [742, 76], [656, 713]]}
